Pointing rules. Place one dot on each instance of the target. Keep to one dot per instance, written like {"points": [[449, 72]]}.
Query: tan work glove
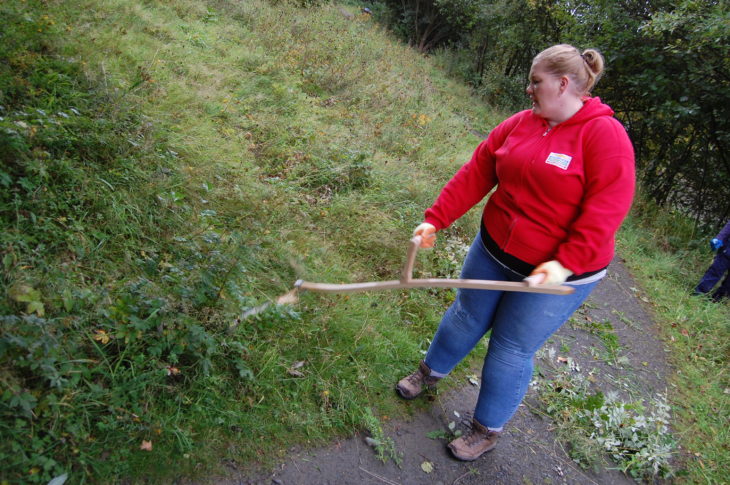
{"points": [[428, 234], [549, 273]]}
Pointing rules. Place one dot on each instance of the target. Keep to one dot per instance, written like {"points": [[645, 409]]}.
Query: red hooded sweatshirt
{"points": [[561, 193]]}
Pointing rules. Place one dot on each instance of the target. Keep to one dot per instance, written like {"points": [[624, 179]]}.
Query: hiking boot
{"points": [[475, 443], [413, 385]]}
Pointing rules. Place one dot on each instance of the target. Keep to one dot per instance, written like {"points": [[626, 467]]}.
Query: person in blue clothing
{"points": [[720, 267]]}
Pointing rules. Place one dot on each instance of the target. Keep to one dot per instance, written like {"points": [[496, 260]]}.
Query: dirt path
{"points": [[528, 452]]}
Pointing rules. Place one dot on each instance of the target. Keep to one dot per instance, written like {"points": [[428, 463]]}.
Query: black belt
{"points": [[516, 264]]}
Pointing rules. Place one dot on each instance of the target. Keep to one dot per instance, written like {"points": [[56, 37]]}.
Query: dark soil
{"points": [[528, 451]]}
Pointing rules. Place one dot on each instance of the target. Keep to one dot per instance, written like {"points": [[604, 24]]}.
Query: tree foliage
{"points": [[695, 172], [427, 24]]}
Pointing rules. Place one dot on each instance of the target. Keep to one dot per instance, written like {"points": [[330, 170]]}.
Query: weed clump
{"points": [[634, 435]]}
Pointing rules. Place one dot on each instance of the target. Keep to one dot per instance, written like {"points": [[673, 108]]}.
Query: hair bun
{"points": [[565, 59], [594, 60]]}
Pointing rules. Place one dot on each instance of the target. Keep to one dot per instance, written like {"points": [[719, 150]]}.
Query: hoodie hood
{"points": [[592, 108]]}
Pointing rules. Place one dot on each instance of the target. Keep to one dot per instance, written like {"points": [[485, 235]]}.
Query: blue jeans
{"points": [[720, 266], [520, 325]]}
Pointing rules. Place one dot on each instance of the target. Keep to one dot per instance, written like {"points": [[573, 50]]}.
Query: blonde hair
{"points": [[585, 69]]}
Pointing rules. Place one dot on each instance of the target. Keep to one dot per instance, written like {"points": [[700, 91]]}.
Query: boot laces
{"points": [[416, 377], [474, 437]]}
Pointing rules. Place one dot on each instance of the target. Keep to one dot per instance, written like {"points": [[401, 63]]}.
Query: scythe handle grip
{"points": [[407, 273]]}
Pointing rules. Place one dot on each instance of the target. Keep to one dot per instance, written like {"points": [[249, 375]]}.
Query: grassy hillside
{"points": [[175, 165], [167, 166]]}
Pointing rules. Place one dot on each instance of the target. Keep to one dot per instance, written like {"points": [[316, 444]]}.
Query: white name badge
{"points": [[559, 160]]}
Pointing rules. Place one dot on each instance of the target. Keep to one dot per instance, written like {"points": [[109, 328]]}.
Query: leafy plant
{"points": [[384, 445], [635, 435], [441, 434]]}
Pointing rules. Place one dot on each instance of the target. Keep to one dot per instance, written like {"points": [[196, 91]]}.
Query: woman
{"points": [[564, 173]]}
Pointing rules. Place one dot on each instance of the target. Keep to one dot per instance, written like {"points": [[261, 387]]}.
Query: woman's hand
{"points": [[428, 234], [548, 273]]}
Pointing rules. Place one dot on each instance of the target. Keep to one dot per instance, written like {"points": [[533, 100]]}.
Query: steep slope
{"points": [[169, 166]]}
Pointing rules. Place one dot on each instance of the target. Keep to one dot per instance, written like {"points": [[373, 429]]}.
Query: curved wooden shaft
{"points": [[434, 283], [407, 281], [407, 273]]}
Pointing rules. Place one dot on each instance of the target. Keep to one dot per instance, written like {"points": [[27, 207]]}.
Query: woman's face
{"points": [[544, 89]]}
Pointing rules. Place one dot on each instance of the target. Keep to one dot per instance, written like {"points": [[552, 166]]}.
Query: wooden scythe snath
{"points": [[407, 281]]}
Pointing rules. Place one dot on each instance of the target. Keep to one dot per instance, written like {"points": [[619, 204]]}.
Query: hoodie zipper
{"points": [[542, 140]]}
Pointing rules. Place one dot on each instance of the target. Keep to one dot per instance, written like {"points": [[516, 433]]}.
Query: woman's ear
{"points": [[564, 83]]}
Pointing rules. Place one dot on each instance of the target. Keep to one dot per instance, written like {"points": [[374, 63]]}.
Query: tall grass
{"points": [[669, 256], [169, 167]]}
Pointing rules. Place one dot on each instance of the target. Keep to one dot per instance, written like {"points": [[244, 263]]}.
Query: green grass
{"points": [[668, 257], [190, 162], [605, 332], [167, 167]]}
